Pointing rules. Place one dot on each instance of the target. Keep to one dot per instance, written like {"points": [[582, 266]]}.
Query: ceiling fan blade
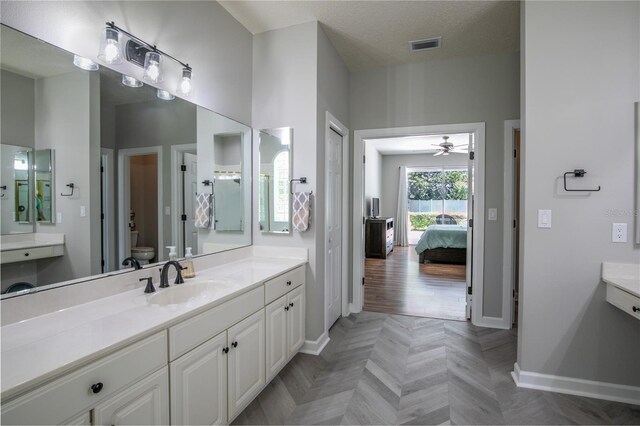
{"points": [[438, 153]]}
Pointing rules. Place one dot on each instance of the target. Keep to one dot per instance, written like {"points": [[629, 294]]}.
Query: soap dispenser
{"points": [[189, 271], [173, 254]]}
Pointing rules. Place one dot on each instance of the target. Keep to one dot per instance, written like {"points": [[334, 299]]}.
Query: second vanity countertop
{"points": [[625, 276], [38, 349]]}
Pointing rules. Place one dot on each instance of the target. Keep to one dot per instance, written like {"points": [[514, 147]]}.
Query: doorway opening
{"points": [[140, 226], [441, 167], [511, 298], [184, 185], [422, 187]]}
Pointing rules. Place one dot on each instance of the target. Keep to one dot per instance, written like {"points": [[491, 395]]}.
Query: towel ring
{"points": [[301, 180]]}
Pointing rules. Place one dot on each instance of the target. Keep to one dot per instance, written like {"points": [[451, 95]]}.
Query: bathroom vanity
{"points": [[195, 353], [623, 286]]}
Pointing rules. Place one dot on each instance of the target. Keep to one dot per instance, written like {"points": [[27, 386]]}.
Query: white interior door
{"points": [[333, 229], [189, 190]]}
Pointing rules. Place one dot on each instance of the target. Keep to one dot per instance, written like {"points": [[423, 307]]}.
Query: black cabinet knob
{"points": [[97, 387], [291, 304], [286, 308], [234, 344], [26, 254], [288, 282], [635, 309], [225, 350]]}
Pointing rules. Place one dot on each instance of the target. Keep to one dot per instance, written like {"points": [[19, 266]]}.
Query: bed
{"points": [[443, 244]]}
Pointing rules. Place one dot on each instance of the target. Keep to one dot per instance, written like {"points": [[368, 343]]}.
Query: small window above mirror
{"points": [[274, 198]]}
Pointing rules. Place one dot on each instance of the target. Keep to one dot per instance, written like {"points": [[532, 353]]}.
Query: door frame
{"points": [[123, 190], [177, 154], [107, 196], [478, 129], [333, 124], [508, 279]]}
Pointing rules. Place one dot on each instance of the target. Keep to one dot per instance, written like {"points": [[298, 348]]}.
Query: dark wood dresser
{"points": [[378, 235]]}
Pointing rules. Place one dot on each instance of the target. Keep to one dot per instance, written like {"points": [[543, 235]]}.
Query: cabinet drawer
{"points": [[11, 256], [197, 330], [623, 300], [66, 397], [279, 286]]}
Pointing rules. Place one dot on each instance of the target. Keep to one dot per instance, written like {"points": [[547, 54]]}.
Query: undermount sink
{"points": [[180, 293]]}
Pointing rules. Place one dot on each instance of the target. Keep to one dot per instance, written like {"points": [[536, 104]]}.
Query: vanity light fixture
{"points": [[143, 54], [110, 48], [164, 95], [131, 82], [84, 63]]}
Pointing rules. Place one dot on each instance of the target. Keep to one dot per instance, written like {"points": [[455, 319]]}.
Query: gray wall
{"points": [[201, 33], [373, 177], [578, 100], [391, 174], [17, 109], [65, 108], [462, 90]]}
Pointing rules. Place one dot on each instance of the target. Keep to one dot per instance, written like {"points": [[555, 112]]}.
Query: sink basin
{"points": [[182, 293]]}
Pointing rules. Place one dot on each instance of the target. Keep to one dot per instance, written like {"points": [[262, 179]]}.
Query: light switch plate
{"points": [[544, 218], [83, 211], [619, 233], [167, 210], [493, 214], [59, 217]]}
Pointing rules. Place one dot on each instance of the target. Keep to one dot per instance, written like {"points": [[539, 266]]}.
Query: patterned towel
{"points": [[301, 211], [203, 210]]}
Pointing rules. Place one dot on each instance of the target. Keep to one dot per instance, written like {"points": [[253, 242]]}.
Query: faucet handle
{"points": [[179, 279], [149, 288]]}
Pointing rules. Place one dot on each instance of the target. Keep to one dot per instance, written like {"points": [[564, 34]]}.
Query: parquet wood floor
{"points": [[400, 285]]}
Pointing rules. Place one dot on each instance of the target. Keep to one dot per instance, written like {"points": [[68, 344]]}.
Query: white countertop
{"points": [[29, 241], [625, 276], [38, 349]]}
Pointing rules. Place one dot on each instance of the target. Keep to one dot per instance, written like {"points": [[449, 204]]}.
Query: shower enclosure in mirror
{"points": [[275, 175], [127, 171]]}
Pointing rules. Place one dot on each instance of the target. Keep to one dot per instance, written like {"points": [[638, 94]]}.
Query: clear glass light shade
{"points": [[110, 48], [85, 64], [185, 86], [164, 95], [153, 67], [131, 82]]}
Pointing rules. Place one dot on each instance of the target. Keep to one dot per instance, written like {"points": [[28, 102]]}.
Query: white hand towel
{"points": [[203, 210], [301, 211]]}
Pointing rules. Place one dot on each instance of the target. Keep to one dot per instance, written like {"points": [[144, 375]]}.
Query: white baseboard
{"points": [[353, 309], [573, 386], [492, 322], [314, 347]]}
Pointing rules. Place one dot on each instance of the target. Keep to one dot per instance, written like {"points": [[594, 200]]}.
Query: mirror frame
{"points": [[52, 170], [636, 213], [275, 132]]}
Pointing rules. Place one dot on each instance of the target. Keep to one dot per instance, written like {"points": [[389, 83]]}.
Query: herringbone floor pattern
{"points": [[393, 369]]}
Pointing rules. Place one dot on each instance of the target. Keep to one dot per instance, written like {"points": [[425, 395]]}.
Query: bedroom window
{"points": [[437, 195]]}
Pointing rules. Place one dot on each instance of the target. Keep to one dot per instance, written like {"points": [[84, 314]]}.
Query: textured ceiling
{"points": [[373, 34], [416, 144]]}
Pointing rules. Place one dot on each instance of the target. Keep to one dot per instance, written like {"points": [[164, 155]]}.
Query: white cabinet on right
{"points": [[285, 329]]}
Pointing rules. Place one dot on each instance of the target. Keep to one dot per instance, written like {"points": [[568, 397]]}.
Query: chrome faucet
{"points": [[132, 261], [164, 273]]}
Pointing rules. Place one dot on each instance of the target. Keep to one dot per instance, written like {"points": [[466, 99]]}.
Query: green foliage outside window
{"points": [[437, 185]]}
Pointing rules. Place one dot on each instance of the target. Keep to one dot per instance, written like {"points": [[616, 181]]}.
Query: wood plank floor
{"points": [[394, 369], [400, 285]]}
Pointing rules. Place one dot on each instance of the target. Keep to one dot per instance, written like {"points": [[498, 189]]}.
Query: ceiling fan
{"points": [[446, 147]]}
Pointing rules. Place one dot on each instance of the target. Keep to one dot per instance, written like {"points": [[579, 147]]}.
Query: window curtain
{"points": [[400, 224]]}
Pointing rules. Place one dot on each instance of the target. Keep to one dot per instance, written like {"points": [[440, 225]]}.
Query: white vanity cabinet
{"points": [[70, 399], [285, 321]]}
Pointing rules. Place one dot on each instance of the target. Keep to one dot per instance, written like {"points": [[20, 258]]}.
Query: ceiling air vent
{"points": [[427, 44]]}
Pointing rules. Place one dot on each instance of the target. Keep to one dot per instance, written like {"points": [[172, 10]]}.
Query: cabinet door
{"points": [[246, 361], [277, 347], [83, 419], [296, 316], [199, 384], [145, 403]]}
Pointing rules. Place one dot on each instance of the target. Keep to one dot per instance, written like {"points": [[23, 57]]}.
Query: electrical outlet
{"points": [[619, 233]]}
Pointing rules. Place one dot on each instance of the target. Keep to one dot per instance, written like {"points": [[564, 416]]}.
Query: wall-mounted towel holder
{"points": [[301, 180], [4, 188], [208, 183], [578, 173], [69, 185]]}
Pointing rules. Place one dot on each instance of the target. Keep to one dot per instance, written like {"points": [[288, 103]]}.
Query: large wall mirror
{"points": [[274, 196], [637, 183], [112, 168]]}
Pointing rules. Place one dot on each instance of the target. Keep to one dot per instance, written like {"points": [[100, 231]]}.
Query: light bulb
{"points": [[110, 47], [130, 81], [164, 95], [84, 63], [186, 83], [153, 67]]}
